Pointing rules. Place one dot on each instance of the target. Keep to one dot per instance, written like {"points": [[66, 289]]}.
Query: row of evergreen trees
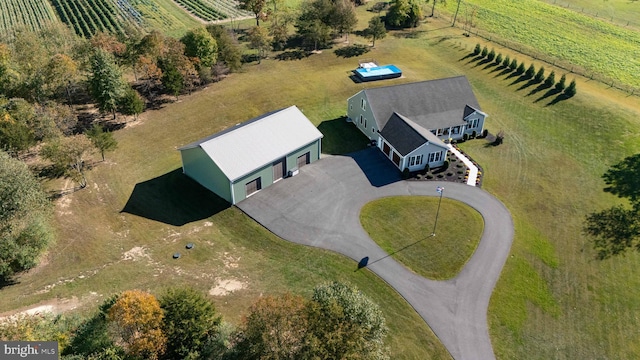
{"points": [[527, 73]]}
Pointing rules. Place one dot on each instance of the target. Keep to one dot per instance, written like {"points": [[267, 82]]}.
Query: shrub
{"points": [[506, 61], [514, 64], [445, 165], [427, 168], [491, 55], [485, 51], [539, 75], [560, 85], [477, 49], [571, 89], [520, 69], [499, 59], [465, 137], [485, 132], [406, 173], [474, 134], [531, 71], [551, 79]]}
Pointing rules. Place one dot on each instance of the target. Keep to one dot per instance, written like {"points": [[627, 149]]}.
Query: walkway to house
{"points": [[473, 170], [321, 206]]}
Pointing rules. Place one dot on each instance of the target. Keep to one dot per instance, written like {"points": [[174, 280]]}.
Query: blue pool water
{"points": [[378, 72]]}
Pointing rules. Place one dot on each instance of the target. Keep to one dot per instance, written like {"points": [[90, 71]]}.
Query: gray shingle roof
{"points": [[431, 104], [406, 136]]}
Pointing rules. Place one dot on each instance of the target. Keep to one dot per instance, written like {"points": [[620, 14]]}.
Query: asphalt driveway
{"points": [[321, 207]]}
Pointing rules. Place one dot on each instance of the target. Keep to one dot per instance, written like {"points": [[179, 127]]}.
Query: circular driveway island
{"points": [[321, 206]]}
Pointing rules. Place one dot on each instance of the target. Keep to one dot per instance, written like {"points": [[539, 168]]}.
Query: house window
{"points": [[439, 132], [365, 123], [418, 160], [253, 186], [435, 157], [350, 106], [361, 119], [412, 161], [373, 130], [446, 131], [455, 130], [473, 123], [363, 104]]}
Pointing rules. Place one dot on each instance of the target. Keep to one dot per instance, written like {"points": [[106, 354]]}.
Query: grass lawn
{"points": [[553, 299], [402, 226]]}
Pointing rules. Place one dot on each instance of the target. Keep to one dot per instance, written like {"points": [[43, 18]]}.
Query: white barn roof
{"points": [[260, 141]]}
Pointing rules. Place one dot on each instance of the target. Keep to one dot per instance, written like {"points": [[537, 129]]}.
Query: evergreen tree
{"points": [[520, 70], [499, 59], [107, 85], [539, 75], [513, 65], [571, 89], [491, 55], [531, 71], [560, 85], [131, 103], [550, 80], [506, 61], [477, 50], [484, 52]]}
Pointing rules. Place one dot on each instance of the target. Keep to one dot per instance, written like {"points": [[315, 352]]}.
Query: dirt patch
{"points": [[53, 306], [137, 253], [226, 287]]}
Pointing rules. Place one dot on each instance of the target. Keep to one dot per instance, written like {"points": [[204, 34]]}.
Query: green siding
{"points": [[198, 165], [354, 110], [266, 172]]}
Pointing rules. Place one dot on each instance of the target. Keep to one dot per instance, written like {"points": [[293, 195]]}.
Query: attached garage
{"points": [[250, 156]]}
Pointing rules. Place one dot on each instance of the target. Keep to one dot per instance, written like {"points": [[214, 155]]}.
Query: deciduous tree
{"points": [[135, 321], [256, 7], [102, 140], [404, 13], [24, 217], [260, 40], [198, 43], [376, 29], [190, 323], [68, 156]]}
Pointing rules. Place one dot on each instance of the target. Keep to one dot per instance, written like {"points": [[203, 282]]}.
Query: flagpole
{"points": [[440, 190]]}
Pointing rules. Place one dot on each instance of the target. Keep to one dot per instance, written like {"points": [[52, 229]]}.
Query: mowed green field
{"points": [[620, 12], [553, 300], [595, 45]]}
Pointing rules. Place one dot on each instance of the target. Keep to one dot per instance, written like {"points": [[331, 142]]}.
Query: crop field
{"points": [[201, 10], [595, 45], [227, 7], [164, 15], [90, 16], [30, 14]]}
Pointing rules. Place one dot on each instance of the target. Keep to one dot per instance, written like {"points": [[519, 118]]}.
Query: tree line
{"points": [[336, 322]]}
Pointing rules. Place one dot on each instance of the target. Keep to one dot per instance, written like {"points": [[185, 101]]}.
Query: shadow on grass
{"points": [[505, 71], [409, 34], [527, 84], [560, 97], [293, 55], [4, 282], [364, 262], [539, 88], [550, 92], [352, 51], [490, 65], [376, 167], [470, 55], [341, 137], [174, 199], [355, 79], [500, 67], [483, 62]]}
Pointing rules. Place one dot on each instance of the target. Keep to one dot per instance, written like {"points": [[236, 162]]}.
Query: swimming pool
{"points": [[378, 73]]}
